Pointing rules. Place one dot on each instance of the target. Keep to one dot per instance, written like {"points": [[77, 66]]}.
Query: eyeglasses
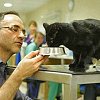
{"points": [[15, 28]]}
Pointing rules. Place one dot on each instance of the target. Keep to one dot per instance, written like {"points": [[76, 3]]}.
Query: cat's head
{"points": [[53, 34]]}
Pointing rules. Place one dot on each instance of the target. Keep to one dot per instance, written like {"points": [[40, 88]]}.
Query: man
{"points": [[12, 34], [33, 85]]}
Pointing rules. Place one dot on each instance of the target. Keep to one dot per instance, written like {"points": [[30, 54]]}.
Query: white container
{"points": [[52, 51]]}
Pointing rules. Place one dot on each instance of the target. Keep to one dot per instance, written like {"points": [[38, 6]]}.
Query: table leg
{"points": [[69, 92]]}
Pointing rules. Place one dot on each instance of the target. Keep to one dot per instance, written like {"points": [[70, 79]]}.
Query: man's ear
{"points": [[45, 25]]}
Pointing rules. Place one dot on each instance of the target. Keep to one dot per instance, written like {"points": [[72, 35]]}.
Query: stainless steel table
{"points": [[70, 80]]}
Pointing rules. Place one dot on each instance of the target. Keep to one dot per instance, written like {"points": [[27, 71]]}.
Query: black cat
{"points": [[80, 36]]}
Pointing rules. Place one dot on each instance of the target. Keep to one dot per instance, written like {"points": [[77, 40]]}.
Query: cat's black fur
{"points": [[80, 36]]}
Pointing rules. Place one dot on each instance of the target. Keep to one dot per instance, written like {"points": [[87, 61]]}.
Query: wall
{"points": [[50, 12], [86, 9], [57, 11]]}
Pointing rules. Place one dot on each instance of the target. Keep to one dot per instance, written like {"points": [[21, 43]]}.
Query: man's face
{"points": [[11, 34]]}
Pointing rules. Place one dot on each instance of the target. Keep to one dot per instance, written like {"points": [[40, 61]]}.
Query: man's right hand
{"points": [[29, 64]]}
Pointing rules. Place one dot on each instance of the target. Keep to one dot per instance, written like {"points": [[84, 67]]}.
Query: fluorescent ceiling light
{"points": [[7, 4]]}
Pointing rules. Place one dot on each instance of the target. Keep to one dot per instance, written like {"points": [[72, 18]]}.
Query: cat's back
{"points": [[87, 26], [95, 22]]}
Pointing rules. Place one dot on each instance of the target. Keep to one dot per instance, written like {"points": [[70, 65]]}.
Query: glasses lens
{"points": [[15, 28], [24, 32]]}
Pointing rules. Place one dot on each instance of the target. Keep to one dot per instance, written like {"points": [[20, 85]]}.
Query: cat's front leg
{"points": [[78, 64], [77, 67]]}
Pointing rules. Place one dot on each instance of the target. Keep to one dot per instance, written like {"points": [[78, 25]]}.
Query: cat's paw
{"points": [[72, 67], [77, 68]]}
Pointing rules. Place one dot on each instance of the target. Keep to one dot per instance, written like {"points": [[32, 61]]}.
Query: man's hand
{"points": [[29, 64]]}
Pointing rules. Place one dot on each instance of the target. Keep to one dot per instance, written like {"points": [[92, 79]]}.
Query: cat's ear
{"points": [[45, 25]]}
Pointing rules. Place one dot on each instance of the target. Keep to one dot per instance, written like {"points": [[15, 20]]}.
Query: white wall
{"points": [[50, 12], [57, 11], [86, 9]]}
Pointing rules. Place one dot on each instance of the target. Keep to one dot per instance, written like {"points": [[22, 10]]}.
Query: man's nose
{"points": [[22, 35]]}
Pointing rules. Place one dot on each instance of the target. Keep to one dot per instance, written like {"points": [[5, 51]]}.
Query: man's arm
{"points": [[26, 68], [10, 87]]}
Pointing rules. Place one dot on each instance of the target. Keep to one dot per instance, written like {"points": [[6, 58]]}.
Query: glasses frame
{"points": [[12, 28]]}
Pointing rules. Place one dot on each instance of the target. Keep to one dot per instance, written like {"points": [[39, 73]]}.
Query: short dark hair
{"points": [[32, 22], [2, 14]]}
